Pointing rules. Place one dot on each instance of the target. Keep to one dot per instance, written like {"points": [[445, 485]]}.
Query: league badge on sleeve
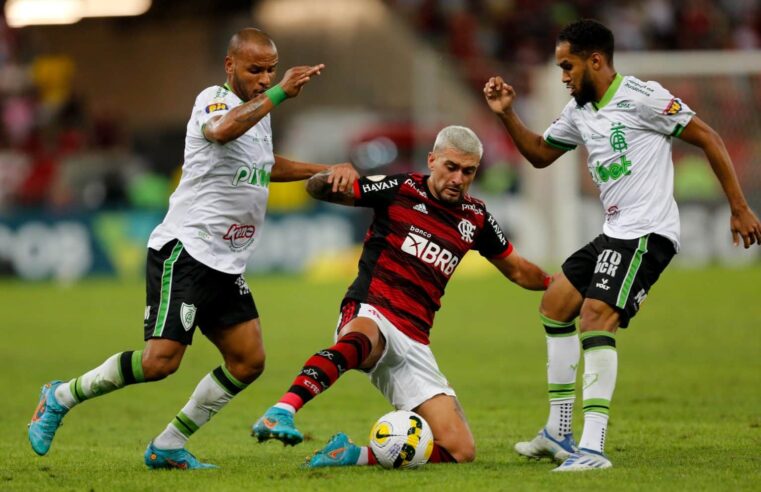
{"points": [[674, 106], [216, 106]]}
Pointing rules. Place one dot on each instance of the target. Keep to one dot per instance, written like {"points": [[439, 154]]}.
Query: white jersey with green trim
{"points": [[218, 208], [628, 136]]}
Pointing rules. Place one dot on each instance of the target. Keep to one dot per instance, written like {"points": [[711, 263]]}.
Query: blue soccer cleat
{"points": [[277, 423], [46, 419], [546, 446], [180, 459], [340, 451], [584, 460]]}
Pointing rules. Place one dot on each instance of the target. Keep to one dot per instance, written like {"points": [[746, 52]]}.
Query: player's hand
{"points": [[296, 77], [342, 177], [499, 95], [745, 224]]}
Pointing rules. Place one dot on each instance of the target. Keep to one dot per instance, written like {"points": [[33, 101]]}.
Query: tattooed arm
{"points": [[240, 119], [321, 186]]}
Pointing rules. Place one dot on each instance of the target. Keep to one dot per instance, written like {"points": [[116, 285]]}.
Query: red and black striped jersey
{"points": [[413, 247]]}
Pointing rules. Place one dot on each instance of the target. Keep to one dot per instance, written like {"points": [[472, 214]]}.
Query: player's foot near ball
{"points": [[584, 460], [46, 419], [544, 445], [340, 451], [180, 459], [277, 423]]}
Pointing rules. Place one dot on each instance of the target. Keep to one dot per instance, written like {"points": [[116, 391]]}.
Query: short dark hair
{"points": [[586, 36]]}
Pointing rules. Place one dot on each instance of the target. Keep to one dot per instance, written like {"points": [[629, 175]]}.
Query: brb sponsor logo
{"points": [[607, 263], [418, 243], [239, 236]]}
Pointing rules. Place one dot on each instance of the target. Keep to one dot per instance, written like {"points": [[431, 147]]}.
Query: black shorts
{"points": [[619, 272], [182, 293]]}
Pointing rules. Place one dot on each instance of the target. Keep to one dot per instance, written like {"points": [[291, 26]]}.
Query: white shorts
{"points": [[406, 373]]}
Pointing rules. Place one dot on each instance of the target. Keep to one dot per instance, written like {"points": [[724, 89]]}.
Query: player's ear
{"points": [[229, 65], [431, 160]]}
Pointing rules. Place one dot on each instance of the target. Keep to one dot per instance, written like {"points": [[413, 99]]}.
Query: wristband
{"points": [[547, 281], [276, 94]]}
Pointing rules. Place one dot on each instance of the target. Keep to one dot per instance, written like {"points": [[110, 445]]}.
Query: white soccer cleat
{"points": [[546, 446], [584, 460]]}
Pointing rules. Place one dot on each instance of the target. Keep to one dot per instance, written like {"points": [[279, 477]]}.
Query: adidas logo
{"points": [[420, 207]]}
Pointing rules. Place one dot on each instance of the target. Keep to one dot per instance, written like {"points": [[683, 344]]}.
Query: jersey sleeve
{"points": [[210, 103], [491, 242], [563, 133], [374, 191], [664, 113]]}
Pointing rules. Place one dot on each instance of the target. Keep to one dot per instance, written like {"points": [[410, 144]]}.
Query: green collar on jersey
{"points": [[227, 86], [609, 93]]}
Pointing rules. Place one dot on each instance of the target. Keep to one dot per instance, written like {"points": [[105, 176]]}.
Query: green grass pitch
{"points": [[686, 414]]}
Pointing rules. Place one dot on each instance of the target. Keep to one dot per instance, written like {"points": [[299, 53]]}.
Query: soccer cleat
{"points": [[544, 445], [583, 460], [46, 419], [277, 423], [180, 459], [340, 451]]}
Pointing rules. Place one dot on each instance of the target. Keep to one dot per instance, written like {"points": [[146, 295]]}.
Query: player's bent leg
{"points": [[241, 348], [559, 307], [359, 344], [118, 371], [453, 440]]}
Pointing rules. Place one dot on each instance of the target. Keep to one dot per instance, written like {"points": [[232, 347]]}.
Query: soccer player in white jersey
{"points": [[198, 254], [627, 126]]}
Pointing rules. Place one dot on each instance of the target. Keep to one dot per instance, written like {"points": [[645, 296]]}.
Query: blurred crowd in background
{"points": [[51, 139]]}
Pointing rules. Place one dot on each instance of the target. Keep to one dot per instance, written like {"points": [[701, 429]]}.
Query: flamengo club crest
{"points": [[466, 229]]}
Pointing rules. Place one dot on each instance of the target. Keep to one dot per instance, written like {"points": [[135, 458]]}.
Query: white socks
{"points": [[117, 371], [562, 361], [600, 371]]}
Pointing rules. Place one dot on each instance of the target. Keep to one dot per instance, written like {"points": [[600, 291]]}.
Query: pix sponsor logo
{"points": [[251, 175], [239, 236], [409, 182], [431, 253]]}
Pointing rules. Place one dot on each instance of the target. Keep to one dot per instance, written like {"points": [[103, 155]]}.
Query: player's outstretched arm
{"points": [[743, 222], [241, 118], [342, 175], [500, 96], [324, 186], [522, 272]]}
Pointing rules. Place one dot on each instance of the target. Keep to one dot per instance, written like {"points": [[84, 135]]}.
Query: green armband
{"points": [[276, 94]]}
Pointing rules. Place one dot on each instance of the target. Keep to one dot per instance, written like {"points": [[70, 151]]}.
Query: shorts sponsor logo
{"points": [[608, 262], [239, 236], [242, 286], [216, 106], [187, 316], [603, 285], [467, 229], [430, 253], [382, 185], [640, 298]]}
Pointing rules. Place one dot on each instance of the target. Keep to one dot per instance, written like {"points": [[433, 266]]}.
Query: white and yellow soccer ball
{"points": [[401, 439]]}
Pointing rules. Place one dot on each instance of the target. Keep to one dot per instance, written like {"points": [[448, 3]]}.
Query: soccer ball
{"points": [[401, 439]]}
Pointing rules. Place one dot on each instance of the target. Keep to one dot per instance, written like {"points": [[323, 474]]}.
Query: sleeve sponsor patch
{"points": [[675, 106], [216, 106]]}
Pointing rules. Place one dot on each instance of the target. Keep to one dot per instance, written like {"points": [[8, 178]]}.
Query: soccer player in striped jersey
{"points": [[198, 254], [422, 227], [627, 126]]}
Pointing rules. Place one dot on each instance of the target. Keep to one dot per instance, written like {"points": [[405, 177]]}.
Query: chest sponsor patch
{"points": [[431, 253]]}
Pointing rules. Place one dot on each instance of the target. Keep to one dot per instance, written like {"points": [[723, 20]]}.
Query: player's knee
{"points": [[464, 453], [247, 369], [159, 367]]}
